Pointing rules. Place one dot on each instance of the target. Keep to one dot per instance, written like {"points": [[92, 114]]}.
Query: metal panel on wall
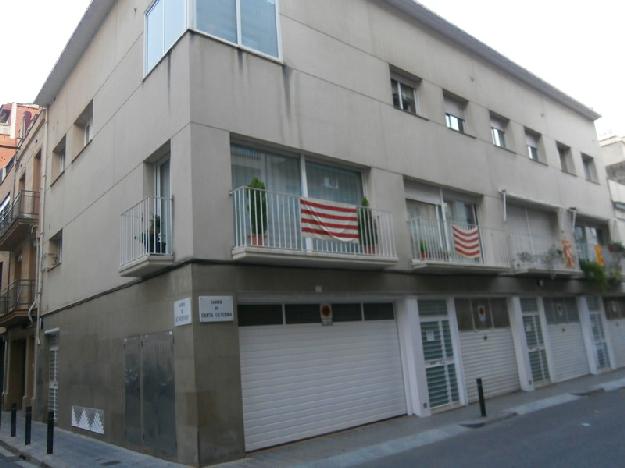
{"points": [[159, 420], [132, 390]]}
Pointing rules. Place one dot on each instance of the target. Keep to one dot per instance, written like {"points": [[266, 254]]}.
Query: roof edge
{"points": [[490, 55]]}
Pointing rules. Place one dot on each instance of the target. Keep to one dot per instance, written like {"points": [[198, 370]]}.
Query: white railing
{"points": [[434, 242], [271, 220], [542, 253], [146, 230]]}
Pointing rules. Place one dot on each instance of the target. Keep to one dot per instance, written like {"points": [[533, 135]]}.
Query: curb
{"points": [[23, 455], [477, 423]]}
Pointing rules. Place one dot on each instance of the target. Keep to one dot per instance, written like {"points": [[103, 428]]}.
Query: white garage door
{"points": [[487, 346], [567, 342], [615, 313], [300, 379]]}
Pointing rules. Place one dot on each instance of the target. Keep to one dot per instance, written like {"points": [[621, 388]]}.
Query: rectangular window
{"points": [[165, 22], [333, 183], [481, 314], [379, 311], [404, 91], [58, 158], [590, 169], [84, 126], [454, 112], [498, 126], [55, 249], [259, 315], [280, 173], [533, 144], [566, 158], [346, 312], [249, 23], [561, 310], [302, 313], [615, 308]]}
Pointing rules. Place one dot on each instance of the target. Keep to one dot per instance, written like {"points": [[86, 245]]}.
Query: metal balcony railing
{"points": [[24, 207], [146, 230], [542, 253], [19, 295], [458, 243], [272, 221]]}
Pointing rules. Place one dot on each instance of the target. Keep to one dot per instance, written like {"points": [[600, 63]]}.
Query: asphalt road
{"points": [[589, 432], [8, 460]]}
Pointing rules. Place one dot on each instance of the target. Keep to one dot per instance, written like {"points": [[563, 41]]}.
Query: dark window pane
{"points": [[261, 314], [381, 311], [481, 314], [430, 308], [346, 313], [302, 313], [395, 92], [463, 313], [572, 315], [499, 309]]}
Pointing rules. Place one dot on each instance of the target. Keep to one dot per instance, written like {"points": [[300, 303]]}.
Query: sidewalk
{"points": [[378, 440], [71, 449]]}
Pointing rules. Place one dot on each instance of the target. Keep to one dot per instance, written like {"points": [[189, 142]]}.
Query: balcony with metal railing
{"points": [[17, 219], [438, 246], [611, 257], [16, 301], [146, 237], [543, 255], [282, 228]]}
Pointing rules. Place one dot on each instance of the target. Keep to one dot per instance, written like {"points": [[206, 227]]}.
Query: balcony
{"points": [[611, 257], [543, 256], [441, 248], [268, 227], [15, 302], [146, 237], [17, 219]]}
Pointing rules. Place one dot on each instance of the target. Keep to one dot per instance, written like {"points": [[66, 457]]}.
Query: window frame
{"points": [[147, 69], [593, 177], [401, 82], [536, 154], [565, 153], [192, 24], [498, 127]]}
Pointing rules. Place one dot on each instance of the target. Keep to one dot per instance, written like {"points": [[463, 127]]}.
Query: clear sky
{"points": [[576, 45]]}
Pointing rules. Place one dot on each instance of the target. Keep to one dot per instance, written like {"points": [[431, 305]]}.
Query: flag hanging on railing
{"points": [[321, 219], [467, 241]]}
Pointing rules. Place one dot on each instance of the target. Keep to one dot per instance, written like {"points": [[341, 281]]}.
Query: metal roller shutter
{"points": [[567, 342], [488, 348], [302, 380]]}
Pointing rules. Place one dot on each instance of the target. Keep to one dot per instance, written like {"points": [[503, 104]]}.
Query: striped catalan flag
{"points": [[467, 241], [322, 219]]}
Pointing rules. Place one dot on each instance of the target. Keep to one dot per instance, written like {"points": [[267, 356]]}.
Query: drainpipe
{"points": [[39, 279]]}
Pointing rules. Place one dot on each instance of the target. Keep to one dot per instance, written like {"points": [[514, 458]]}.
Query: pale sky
{"points": [[576, 45]]}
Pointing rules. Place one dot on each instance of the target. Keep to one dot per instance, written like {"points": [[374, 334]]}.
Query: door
{"points": [[438, 353], [568, 349], [600, 344], [300, 379], [149, 393], [535, 341], [162, 207], [53, 375]]}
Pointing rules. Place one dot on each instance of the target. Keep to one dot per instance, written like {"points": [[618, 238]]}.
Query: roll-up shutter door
{"points": [[300, 379], [615, 313], [487, 346], [567, 342]]}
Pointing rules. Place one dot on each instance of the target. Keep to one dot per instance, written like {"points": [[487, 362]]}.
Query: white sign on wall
{"points": [[182, 312], [216, 309]]}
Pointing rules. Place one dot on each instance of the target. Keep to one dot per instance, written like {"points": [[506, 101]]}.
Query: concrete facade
{"points": [[327, 99]]}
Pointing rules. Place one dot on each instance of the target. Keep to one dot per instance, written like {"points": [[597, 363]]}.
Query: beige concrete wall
{"points": [[330, 99]]}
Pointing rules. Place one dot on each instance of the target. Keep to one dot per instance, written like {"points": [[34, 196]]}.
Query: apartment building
{"points": [[19, 265], [15, 119], [268, 220]]}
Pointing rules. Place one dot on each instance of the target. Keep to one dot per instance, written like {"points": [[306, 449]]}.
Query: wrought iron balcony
{"points": [[15, 301], [17, 219], [146, 237], [283, 228]]}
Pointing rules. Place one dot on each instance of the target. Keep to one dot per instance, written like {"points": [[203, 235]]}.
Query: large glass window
{"points": [[333, 183], [257, 19], [165, 22], [279, 173]]}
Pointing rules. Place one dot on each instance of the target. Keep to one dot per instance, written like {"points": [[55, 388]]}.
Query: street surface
{"points": [[589, 432]]}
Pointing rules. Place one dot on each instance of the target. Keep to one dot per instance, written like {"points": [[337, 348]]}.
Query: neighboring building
{"points": [[19, 247], [15, 119], [216, 191], [613, 156]]}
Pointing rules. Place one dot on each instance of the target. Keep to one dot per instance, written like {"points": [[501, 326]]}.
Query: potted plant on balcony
{"points": [[257, 209], [367, 228], [152, 238], [595, 274], [423, 250]]}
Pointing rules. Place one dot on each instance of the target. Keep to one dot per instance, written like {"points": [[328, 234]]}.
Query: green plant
{"points": [[595, 273], [257, 207], [367, 226], [152, 237]]}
